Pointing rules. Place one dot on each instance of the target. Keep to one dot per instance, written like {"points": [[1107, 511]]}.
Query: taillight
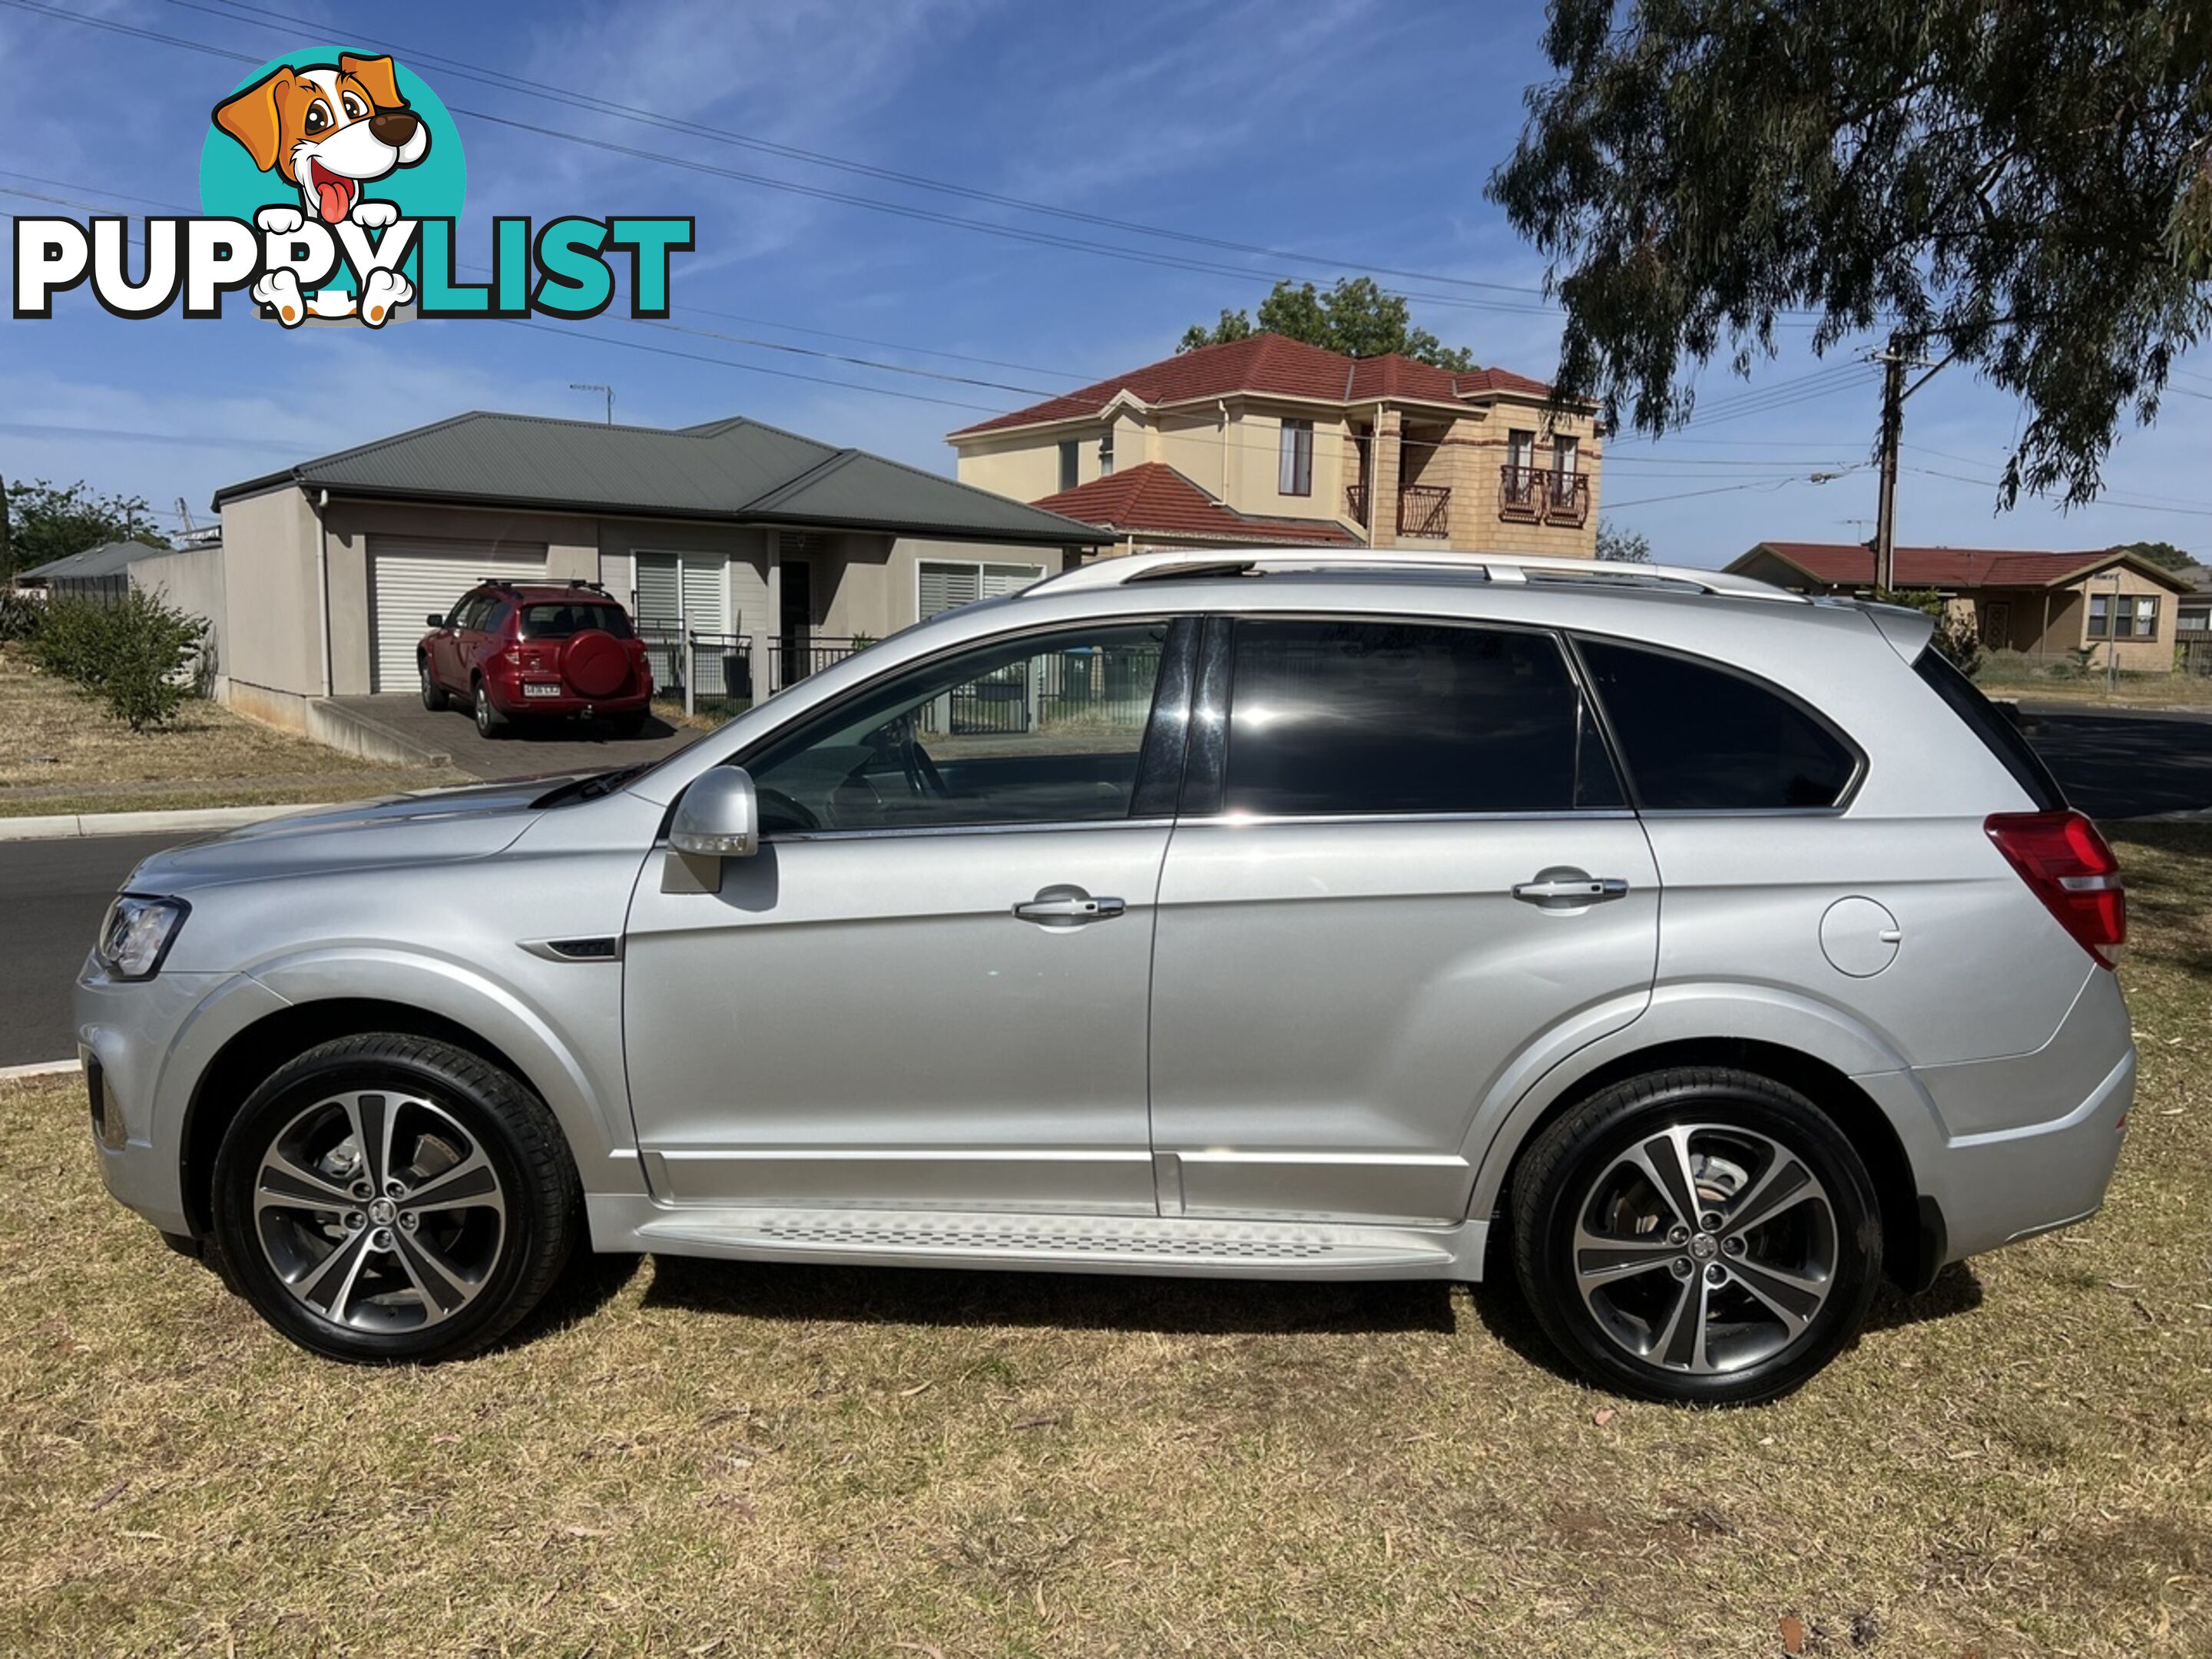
{"points": [[2069, 867]]}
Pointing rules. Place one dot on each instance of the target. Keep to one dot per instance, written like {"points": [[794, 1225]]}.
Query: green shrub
{"points": [[1954, 639], [71, 641], [19, 614], [140, 656]]}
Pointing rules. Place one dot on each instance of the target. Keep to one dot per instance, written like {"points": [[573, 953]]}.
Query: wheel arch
{"points": [[1913, 1246]]}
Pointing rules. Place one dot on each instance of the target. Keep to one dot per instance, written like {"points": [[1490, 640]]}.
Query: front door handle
{"points": [[1068, 907], [1562, 889]]}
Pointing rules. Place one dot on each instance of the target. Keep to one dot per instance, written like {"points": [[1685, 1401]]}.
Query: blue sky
{"points": [[1359, 131]]}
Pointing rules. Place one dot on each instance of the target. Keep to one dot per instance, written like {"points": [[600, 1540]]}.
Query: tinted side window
{"points": [[1045, 729], [1343, 717], [1999, 735], [1698, 737]]}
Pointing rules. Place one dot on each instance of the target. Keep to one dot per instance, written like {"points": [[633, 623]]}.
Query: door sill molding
{"points": [[1165, 1245]]}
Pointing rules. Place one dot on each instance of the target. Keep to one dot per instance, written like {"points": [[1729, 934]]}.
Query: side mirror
{"points": [[434, 620], [719, 816]]}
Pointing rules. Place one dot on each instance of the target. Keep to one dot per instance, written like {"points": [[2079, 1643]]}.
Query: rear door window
{"points": [[1330, 718], [1698, 738]]}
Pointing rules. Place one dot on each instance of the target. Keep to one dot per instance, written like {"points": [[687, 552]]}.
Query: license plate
{"points": [[541, 690]]}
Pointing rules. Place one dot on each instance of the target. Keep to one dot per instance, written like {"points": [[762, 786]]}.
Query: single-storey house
{"points": [[733, 530], [189, 576], [2194, 612], [2107, 602]]}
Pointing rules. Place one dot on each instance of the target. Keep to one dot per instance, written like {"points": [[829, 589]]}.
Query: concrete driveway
{"points": [[562, 747]]}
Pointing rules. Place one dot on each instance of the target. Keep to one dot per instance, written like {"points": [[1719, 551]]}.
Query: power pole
{"points": [[1893, 429], [1903, 354]]}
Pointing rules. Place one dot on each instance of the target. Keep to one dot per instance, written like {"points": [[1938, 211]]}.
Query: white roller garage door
{"points": [[408, 580]]}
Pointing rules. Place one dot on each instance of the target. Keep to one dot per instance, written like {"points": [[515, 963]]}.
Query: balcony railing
{"points": [[1425, 510], [1355, 503], [1566, 499], [1542, 494]]}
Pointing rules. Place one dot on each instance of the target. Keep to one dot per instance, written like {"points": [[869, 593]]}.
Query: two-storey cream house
{"points": [[1267, 440]]}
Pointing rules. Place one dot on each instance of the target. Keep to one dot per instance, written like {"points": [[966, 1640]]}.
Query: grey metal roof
{"points": [[733, 470], [108, 559]]}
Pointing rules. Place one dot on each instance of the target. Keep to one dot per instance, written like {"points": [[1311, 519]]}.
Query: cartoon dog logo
{"points": [[330, 131]]}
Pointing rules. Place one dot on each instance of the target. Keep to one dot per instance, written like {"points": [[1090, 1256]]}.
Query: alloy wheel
{"points": [[1704, 1248], [379, 1211]]}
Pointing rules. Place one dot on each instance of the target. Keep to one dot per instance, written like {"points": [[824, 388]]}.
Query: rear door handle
{"points": [[1561, 889], [1060, 907]]}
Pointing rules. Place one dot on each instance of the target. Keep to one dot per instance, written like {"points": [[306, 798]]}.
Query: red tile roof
{"points": [[1272, 363], [1850, 564], [1155, 498]]}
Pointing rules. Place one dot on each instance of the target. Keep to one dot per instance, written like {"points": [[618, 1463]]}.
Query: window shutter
{"points": [[702, 596], [659, 592], [947, 587]]}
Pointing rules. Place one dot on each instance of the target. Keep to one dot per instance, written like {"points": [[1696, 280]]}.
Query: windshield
{"points": [[565, 618]]}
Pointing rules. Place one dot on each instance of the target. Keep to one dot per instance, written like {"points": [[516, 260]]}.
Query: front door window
{"points": [[1045, 729]]}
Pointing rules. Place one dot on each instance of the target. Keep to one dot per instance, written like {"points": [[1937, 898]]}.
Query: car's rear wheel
{"points": [[388, 1197], [490, 723], [1696, 1234], [434, 699]]}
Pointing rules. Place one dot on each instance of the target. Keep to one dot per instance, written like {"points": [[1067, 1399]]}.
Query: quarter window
{"points": [[1697, 737], [1046, 729], [1380, 717], [1297, 468]]}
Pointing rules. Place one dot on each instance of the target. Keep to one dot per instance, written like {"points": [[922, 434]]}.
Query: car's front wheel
{"points": [[389, 1197], [1696, 1234], [434, 698]]}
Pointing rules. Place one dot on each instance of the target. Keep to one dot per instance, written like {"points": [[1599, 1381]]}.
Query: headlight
{"points": [[137, 933]]}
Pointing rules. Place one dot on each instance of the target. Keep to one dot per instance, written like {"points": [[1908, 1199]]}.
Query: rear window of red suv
{"points": [[566, 618]]}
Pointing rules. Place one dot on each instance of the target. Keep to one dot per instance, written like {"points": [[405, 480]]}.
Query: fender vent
{"points": [[584, 950]]}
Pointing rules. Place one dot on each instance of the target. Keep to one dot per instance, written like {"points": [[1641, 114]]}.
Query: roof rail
{"points": [[1119, 571]]}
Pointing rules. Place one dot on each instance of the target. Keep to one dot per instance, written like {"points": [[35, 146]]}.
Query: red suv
{"points": [[512, 650]]}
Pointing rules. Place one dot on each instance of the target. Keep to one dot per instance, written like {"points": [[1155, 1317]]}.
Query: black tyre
{"points": [[434, 697], [490, 723], [389, 1198], [1697, 1235]]}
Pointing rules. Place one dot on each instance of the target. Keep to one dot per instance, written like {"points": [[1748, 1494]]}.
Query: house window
{"points": [[1566, 455], [1106, 454], [947, 584], [1520, 449], [2124, 616], [1069, 450], [1297, 474]]}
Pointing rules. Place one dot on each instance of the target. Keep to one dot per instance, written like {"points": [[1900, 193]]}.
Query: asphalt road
{"points": [[52, 893]]}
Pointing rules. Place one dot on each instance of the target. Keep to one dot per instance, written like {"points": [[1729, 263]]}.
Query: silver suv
{"points": [[1708, 952]]}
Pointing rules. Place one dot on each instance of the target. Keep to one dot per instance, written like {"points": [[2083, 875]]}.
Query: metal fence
{"points": [[708, 672], [792, 657], [1065, 687]]}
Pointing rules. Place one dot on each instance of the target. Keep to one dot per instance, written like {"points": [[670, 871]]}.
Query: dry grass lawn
{"points": [[740, 1460], [1999, 678], [59, 752]]}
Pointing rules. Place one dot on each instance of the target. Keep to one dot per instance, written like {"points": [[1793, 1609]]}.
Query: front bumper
{"points": [[152, 1040]]}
